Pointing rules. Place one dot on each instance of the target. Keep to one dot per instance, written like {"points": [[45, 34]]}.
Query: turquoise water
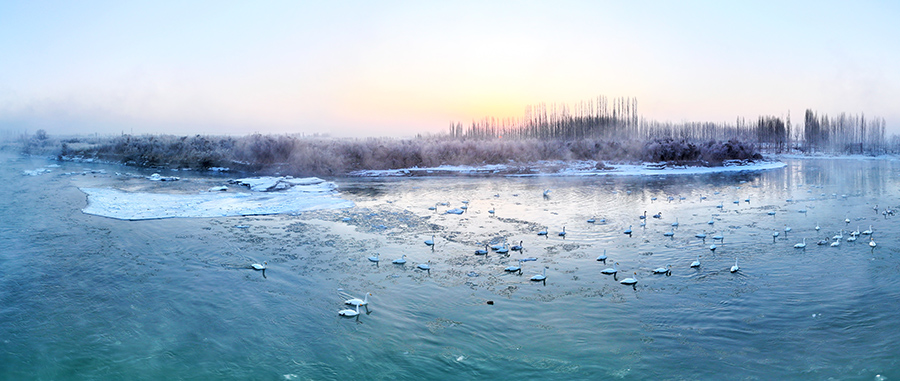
{"points": [[87, 297]]}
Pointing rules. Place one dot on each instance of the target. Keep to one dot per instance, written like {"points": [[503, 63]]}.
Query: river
{"points": [[89, 297]]}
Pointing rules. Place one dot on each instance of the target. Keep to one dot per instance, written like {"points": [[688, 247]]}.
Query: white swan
{"points": [[591, 220], [611, 270], [563, 232], [872, 243], [349, 312], [712, 248], [696, 263], [839, 235], [602, 257], [662, 270], [542, 232], [374, 258], [836, 243], [503, 250], [630, 281], [700, 235], [735, 268], [512, 269], [868, 232], [430, 242], [675, 224], [787, 229], [425, 266], [669, 233], [400, 261], [719, 237], [643, 216], [257, 266], [358, 302], [482, 251], [711, 221], [855, 232], [801, 245], [628, 231], [817, 226], [542, 277], [518, 247]]}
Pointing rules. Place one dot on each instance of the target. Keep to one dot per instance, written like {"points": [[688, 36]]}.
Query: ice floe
{"points": [[113, 203], [35, 172], [158, 177], [269, 183]]}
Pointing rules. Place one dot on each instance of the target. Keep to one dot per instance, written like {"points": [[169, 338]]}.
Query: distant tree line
{"points": [[846, 134], [618, 120]]}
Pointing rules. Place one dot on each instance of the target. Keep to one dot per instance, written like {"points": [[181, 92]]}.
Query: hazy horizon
{"points": [[402, 68]]}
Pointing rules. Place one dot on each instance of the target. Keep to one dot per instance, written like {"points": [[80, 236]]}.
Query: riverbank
{"points": [[323, 157]]}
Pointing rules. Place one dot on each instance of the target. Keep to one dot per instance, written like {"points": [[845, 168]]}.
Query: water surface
{"points": [[87, 297]]}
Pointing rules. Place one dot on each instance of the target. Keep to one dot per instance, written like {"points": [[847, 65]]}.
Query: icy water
{"points": [[88, 297]]}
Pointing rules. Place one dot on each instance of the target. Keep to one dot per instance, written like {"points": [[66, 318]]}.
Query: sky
{"points": [[401, 68]]}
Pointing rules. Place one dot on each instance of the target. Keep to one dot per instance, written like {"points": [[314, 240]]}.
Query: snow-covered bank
{"points": [[122, 205], [579, 168]]}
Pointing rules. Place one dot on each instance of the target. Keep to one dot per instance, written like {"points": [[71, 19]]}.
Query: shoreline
{"points": [[566, 169]]}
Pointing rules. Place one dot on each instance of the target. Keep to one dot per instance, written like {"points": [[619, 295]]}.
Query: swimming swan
{"points": [[349, 312]]}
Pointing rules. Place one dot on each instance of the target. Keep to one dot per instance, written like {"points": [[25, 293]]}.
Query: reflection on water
{"points": [[90, 297]]}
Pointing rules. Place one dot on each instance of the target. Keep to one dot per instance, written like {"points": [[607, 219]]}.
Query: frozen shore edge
{"points": [[574, 169], [305, 195]]}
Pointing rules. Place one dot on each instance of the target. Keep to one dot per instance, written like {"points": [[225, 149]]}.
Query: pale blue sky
{"points": [[395, 68]]}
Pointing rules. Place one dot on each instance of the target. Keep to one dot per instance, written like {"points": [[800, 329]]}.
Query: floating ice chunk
{"points": [[220, 188], [36, 172], [270, 183], [158, 177]]}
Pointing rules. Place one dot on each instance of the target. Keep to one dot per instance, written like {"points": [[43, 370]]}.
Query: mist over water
{"points": [[83, 296]]}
